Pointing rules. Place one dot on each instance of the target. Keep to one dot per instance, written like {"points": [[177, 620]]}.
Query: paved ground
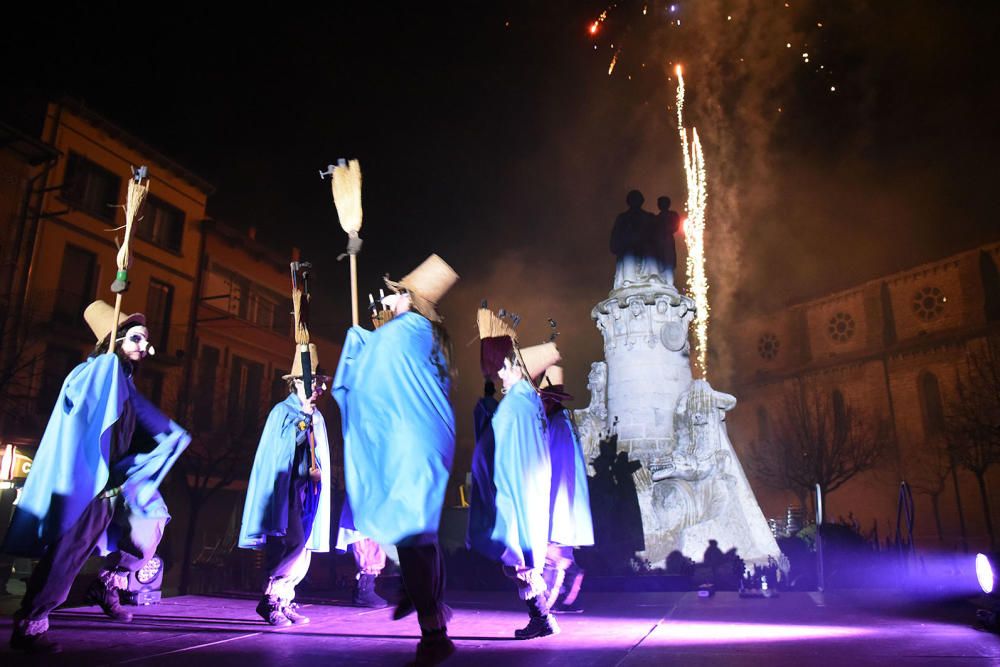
{"points": [[628, 629]]}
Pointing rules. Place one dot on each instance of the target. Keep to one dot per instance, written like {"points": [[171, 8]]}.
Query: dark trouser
{"points": [[285, 556], [53, 577], [369, 557], [422, 570]]}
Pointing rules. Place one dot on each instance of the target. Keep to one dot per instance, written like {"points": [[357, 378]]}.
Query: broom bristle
{"points": [[492, 326], [133, 206], [346, 184], [301, 331]]}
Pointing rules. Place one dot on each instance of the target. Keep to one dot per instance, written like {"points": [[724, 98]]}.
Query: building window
{"points": [[767, 346], [841, 327], [246, 300], [245, 379], [159, 301], [933, 408], [150, 384], [928, 303], [204, 393], [59, 361], [90, 187], [279, 388], [77, 284], [161, 224], [261, 310]]}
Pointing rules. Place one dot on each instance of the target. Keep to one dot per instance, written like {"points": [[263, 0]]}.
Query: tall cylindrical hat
{"points": [[426, 285], [317, 372], [99, 316], [496, 339]]}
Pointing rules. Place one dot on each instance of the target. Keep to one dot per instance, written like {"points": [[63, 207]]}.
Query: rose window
{"points": [[841, 327], [767, 346], [928, 303]]}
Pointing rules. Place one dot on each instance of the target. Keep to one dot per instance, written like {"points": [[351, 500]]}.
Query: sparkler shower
{"points": [[694, 226]]}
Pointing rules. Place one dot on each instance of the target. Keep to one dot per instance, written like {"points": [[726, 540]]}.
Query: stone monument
{"points": [[691, 486]]}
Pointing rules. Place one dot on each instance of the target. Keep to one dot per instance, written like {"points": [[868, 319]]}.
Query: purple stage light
{"points": [[684, 633]]}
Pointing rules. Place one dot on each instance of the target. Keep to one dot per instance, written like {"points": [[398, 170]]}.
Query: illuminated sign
{"points": [[13, 464]]}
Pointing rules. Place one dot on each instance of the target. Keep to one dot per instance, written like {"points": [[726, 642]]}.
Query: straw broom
{"points": [[138, 188], [346, 183], [302, 346]]}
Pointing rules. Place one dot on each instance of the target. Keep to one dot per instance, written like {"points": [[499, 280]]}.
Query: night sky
{"points": [[492, 134]]}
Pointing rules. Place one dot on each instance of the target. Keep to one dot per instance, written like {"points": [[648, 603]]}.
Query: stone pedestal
{"points": [[690, 486]]}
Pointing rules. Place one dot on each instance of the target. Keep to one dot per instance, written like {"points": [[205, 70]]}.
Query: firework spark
{"points": [[597, 23], [614, 61], [694, 226]]}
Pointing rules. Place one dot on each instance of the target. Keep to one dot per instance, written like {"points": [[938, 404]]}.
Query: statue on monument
{"points": [[644, 242], [667, 224]]}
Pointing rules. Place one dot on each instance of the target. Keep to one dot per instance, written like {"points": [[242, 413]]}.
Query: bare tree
{"points": [[932, 468], [28, 377], [218, 455], [972, 425], [816, 441]]}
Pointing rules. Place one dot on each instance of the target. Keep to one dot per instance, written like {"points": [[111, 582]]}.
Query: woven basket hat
{"points": [[553, 377], [426, 285], [317, 372], [100, 314], [538, 358]]}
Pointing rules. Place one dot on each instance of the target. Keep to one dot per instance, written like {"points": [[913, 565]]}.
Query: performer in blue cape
{"points": [[92, 488], [497, 337], [287, 508], [392, 386], [522, 473], [570, 523], [482, 496], [369, 556]]}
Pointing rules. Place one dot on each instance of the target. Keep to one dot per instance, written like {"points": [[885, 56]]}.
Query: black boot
{"points": [[404, 608], [32, 637], [434, 647], [365, 595], [104, 592], [541, 623], [269, 609]]}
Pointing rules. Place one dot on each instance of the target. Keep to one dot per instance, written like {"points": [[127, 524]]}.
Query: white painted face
{"points": [[510, 375], [397, 303], [135, 344], [319, 386]]}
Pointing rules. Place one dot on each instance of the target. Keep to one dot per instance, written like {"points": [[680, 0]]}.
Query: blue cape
{"points": [[522, 474], [71, 465], [569, 505], [482, 500], [399, 429], [265, 511]]}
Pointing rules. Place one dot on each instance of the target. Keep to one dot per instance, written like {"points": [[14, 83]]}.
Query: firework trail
{"points": [[694, 226]]}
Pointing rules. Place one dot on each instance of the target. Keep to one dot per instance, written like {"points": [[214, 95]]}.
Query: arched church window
{"points": [[931, 403], [763, 424]]}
